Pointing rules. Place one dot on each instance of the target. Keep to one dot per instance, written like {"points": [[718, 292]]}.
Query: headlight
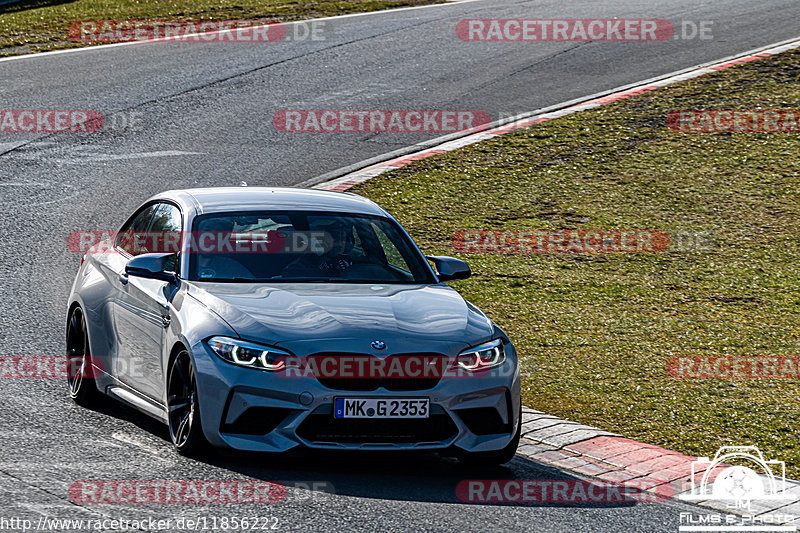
{"points": [[249, 354], [483, 357]]}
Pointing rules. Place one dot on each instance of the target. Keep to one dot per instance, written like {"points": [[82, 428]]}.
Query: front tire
{"points": [[185, 427], [80, 374]]}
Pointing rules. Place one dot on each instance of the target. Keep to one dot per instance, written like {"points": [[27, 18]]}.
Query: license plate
{"points": [[380, 408]]}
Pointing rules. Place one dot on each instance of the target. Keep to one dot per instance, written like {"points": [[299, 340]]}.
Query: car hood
{"points": [[311, 317]]}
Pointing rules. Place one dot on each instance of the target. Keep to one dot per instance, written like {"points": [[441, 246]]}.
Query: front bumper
{"points": [[252, 410]]}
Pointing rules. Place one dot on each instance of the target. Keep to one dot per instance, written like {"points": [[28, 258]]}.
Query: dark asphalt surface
{"points": [[205, 113]]}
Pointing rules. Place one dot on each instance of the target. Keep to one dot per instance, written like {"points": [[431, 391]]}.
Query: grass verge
{"points": [[41, 25], [595, 331]]}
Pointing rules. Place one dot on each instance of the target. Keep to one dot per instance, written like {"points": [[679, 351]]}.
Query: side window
{"points": [[166, 229], [167, 218], [393, 255], [358, 246], [126, 238]]}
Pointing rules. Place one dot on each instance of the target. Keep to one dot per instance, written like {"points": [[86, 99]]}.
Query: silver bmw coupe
{"points": [[272, 319]]}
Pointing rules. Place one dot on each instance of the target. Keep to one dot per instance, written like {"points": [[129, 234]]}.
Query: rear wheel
{"points": [[185, 428], [495, 458], [80, 374]]}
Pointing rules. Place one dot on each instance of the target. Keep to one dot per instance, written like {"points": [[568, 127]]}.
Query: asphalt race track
{"points": [[204, 118]]}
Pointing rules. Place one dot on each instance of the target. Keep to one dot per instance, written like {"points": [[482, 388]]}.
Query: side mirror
{"points": [[450, 268], [153, 266]]}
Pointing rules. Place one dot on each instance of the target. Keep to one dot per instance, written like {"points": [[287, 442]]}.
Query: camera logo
{"points": [[750, 478]]}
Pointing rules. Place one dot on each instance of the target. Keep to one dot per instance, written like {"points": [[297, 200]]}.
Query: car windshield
{"points": [[300, 246]]}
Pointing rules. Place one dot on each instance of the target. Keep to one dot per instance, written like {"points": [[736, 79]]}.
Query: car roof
{"points": [[224, 199]]}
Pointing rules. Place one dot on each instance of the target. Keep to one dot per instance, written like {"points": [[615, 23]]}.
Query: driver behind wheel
{"points": [[331, 257], [338, 259]]}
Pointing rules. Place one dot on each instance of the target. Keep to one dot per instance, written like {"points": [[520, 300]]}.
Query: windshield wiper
{"points": [[302, 280], [233, 280]]}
